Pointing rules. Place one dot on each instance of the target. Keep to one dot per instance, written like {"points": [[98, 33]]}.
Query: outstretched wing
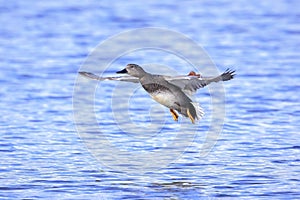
{"points": [[119, 78], [190, 84]]}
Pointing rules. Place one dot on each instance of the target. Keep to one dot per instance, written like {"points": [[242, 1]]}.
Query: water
{"points": [[43, 45]]}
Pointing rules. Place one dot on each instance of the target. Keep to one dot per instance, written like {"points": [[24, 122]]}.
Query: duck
{"points": [[173, 92]]}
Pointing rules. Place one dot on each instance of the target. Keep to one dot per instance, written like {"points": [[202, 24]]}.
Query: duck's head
{"points": [[133, 70]]}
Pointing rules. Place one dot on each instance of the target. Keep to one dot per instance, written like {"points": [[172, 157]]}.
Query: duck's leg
{"points": [[190, 116], [174, 115]]}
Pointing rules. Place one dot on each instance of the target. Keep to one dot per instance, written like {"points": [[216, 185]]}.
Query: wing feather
{"points": [[118, 78], [190, 84]]}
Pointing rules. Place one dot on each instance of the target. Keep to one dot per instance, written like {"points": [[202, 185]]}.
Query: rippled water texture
{"points": [[44, 43]]}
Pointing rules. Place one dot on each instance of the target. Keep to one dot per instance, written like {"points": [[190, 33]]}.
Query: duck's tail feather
{"points": [[198, 114]]}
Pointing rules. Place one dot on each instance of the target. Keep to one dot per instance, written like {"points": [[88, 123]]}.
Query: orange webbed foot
{"points": [[174, 115]]}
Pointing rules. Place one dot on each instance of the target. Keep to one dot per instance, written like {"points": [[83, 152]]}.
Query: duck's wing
{"points": [[191, 83], [118, 78]]}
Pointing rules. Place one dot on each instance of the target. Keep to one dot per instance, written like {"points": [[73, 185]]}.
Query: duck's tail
{"points": [[194, 112]]}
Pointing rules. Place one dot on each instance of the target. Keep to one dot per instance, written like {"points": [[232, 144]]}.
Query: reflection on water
{"points": [[42, 46]]}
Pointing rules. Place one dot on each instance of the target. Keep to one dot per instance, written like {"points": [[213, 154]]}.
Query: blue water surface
{"points": [[44, 43]]}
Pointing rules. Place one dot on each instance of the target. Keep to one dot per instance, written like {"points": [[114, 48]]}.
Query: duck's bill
{"points": [[124, 71]]}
